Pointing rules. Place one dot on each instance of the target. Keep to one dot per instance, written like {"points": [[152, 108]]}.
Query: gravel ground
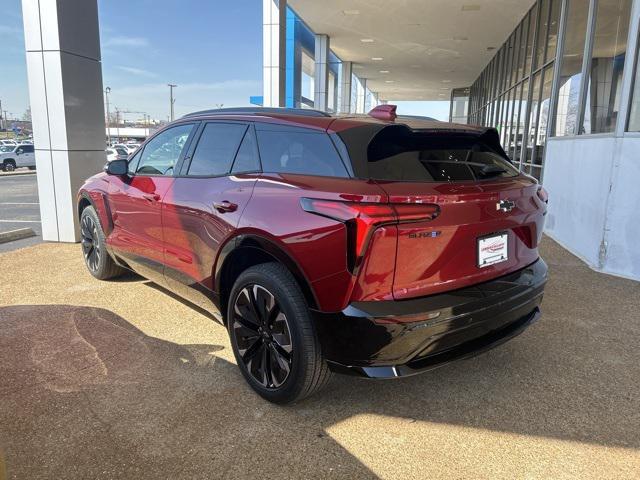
{"points": [[120, 379]]}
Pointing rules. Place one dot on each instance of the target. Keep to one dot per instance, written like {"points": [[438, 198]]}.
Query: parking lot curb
{"points": [[19, 234], [11, 174]]}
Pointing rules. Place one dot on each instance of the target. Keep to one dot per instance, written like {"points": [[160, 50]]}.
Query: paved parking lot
{"points": [[19, 208], [121, 380]]}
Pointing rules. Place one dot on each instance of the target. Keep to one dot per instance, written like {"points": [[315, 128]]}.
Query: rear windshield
{"points": [[398, 154]]}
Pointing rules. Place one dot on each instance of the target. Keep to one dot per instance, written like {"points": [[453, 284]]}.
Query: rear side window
{"points": [[399, 154], [298, 150], [216, 149]]}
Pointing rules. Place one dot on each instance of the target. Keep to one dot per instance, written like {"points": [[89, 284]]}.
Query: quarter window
{"points": [[161, 154], [216, 149], [247, 157], [298, 150]]}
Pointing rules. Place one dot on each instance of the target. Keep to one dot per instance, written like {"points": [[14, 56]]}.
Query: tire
{"points": [[260, 344], [94, 247], [9, 165]]}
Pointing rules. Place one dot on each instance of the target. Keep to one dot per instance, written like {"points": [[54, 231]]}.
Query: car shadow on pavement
{"points": [[83, 393]]}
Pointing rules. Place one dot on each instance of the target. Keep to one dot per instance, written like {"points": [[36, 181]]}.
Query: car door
{"points": [[30, 156], [135, 201], [24, 156], [204, 205]]}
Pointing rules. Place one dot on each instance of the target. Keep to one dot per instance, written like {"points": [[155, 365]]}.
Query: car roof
{"points": [[324, 121]]}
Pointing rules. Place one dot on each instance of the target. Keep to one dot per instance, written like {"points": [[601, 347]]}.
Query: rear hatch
{"points": [[490, 217]]}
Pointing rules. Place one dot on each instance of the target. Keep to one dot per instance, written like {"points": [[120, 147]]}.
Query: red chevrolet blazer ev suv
{"points": [[377, 246]]}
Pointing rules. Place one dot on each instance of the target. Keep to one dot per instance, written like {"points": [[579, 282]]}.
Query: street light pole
{"points": [[107, 91], [118, 123], [172, 100]]}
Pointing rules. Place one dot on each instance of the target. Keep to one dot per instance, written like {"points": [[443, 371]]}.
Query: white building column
{"points": [[345, 87], [362, 96], [321, 79], [62, 41], [274, 41]]}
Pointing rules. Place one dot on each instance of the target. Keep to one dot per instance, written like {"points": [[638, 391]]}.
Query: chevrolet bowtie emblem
{"points": [[505, 206]]}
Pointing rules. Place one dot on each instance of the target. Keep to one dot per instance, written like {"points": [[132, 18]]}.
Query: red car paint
{"points": [[170, 230]]}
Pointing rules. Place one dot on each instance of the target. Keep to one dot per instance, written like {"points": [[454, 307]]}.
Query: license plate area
{"points": [[492, 249]]}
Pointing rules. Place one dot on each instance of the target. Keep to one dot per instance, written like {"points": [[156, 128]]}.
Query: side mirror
{"points": [[117, 167]]}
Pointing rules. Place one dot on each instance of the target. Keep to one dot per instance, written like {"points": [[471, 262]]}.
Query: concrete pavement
{"points": [[121, 380]]}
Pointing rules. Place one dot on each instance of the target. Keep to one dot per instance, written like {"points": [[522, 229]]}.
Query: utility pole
{"points": [[107, 91], [1, 117], [118, 123], [172, 100]]}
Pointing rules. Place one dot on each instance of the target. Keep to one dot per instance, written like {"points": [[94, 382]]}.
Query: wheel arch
{"points": [[100, 205], [247, 250]]}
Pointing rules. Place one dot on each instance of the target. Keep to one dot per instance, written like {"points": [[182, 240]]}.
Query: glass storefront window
{"points": [[552, 35], [522, 48], [331, 93], [307, 79], [571, 71], [532, 30], [543, 117], [633, 124], [521, 108], [607, 63], [516, 53], [543, 24], [533, 117]]}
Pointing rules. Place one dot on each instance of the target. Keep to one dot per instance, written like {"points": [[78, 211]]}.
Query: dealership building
{"points": [[557, 78]]}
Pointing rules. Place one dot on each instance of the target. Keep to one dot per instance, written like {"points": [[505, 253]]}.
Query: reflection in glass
{"points": [[552, 35], [607, 63], [533, 117], [542, 32], [570, 75], [543, 117], [521, 106], [532, 30]]}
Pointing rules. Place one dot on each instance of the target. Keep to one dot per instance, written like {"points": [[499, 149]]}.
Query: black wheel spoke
{"points": [[280, 350], [273, 314], [250, 353], [245, 307], [280, 367], [247, 324]]}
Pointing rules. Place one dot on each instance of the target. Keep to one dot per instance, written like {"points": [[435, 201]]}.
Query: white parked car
{"points": [[16, 156], [8, 143], [116, 153], [132, 147]]}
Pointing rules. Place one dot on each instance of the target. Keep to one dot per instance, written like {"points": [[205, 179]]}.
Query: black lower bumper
{"points": [[386, 339]]}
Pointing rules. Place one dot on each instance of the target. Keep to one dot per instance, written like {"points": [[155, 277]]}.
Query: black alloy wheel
{"points": [[262, 336], [90, 243]]}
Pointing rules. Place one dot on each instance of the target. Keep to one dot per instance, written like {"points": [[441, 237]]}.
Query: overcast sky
{"points": [[210, 48]]}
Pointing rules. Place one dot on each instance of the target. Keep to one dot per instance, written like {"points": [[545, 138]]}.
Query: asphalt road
{"points": [[19, 208]]}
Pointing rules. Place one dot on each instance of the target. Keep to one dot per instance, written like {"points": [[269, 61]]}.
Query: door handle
{"points": [[225, 206], [152, 197]]}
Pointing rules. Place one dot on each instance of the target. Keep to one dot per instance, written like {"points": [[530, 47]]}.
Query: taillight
{"points": [[361, 219], [542, 194]]}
